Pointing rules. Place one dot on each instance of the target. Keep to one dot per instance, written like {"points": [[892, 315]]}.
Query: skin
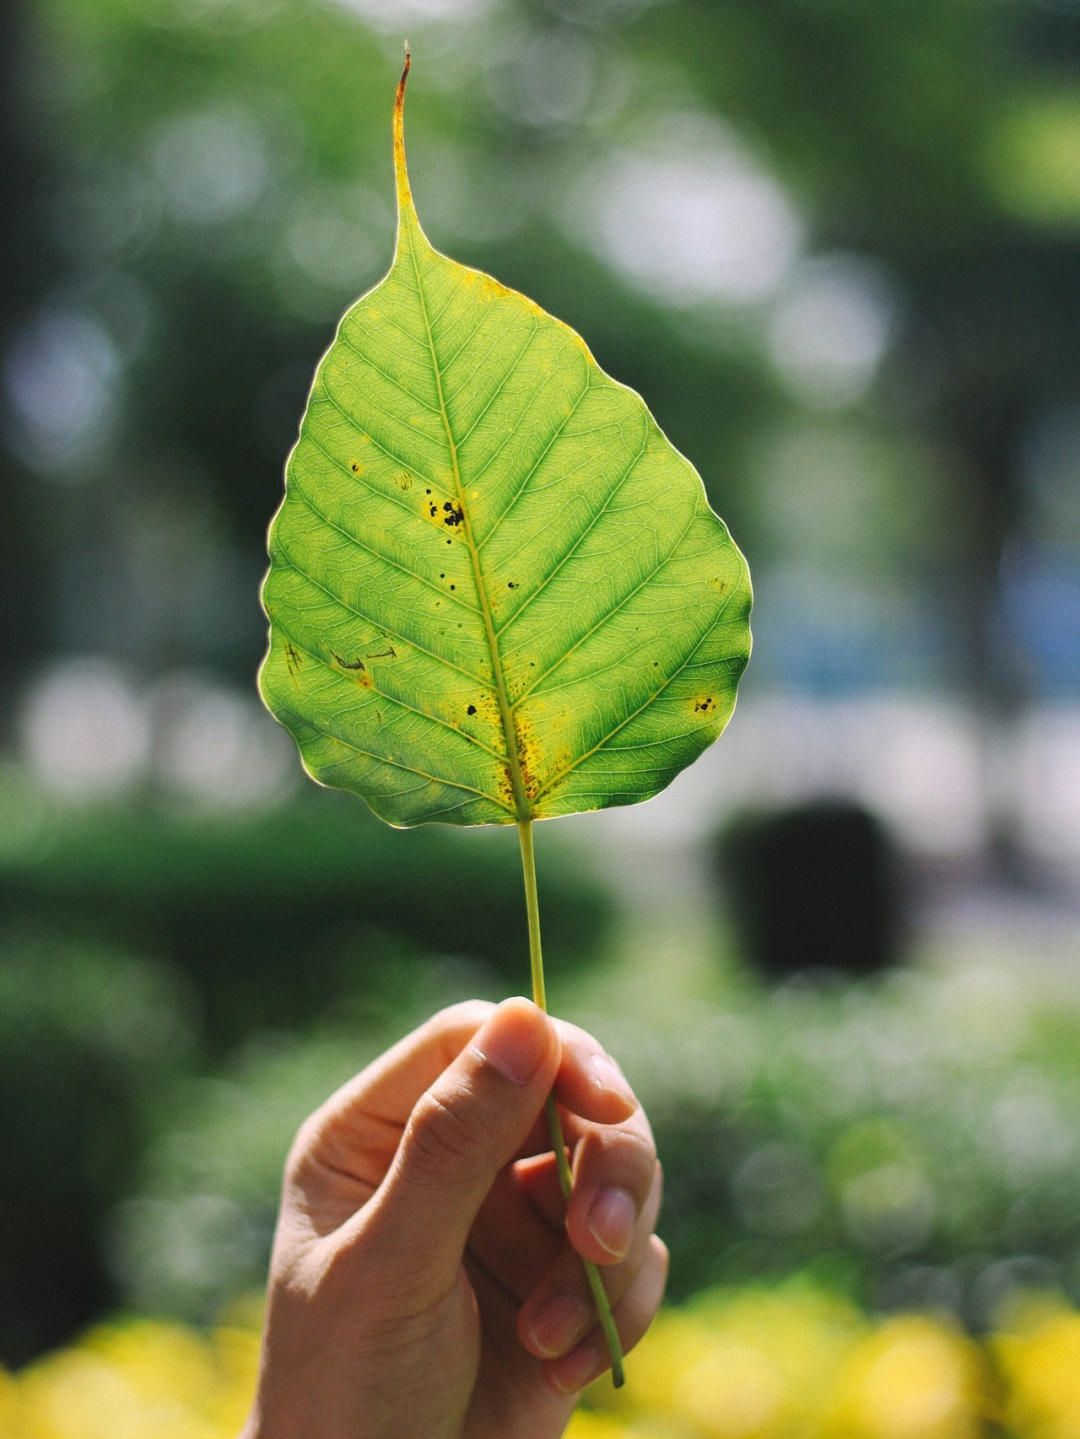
{"points": [[426, 1280]]}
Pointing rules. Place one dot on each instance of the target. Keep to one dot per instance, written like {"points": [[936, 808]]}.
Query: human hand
{"points": [[426, 1279]]}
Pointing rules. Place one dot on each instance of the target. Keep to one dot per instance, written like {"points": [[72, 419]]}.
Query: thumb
{"points": [[462, 1131]]}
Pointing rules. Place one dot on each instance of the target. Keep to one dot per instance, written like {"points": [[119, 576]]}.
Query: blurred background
{"points": [[836, 247]]}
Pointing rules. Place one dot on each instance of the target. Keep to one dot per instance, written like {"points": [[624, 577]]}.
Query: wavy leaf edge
{"points": [[520, 789]]}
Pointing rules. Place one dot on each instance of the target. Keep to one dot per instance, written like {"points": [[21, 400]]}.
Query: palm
{"points": [[476, 1380], [510, 1398]]}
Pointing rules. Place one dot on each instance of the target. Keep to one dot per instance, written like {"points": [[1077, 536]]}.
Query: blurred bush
{"points": [[813, 887], [269, 917], [791, 1363], [91, 1041], [198, 1229], [916, 1136], [144, 942]]}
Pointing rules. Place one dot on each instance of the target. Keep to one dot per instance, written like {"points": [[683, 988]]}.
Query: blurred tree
{"points": [[936, 139], [202, 187]]}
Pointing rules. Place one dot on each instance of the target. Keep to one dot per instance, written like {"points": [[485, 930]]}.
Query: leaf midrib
{"points": [[521, 799]]}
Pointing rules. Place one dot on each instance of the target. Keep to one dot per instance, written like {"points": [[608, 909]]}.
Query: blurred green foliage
{"points": [[914, 1138], [269, 920], [190, 197]]}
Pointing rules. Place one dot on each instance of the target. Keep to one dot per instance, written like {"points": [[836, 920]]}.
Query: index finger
{"points": [[589, 1082]]}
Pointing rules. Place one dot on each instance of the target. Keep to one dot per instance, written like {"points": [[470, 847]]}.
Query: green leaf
{"points": [[496, 590]]}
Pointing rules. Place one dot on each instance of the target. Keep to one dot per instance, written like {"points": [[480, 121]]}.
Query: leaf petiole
{"points": [[558, 1143]]}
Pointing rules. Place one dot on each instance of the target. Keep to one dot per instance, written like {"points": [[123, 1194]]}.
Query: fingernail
{"points": [[514, 1040], [611, 1219], [558, 1322], [577, 1370], [606, 1075]]}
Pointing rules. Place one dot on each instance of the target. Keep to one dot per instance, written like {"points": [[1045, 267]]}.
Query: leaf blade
{"points": [[513, 598]]}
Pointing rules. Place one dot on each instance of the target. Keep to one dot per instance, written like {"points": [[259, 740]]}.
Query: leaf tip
{"points": [[401, 174]]}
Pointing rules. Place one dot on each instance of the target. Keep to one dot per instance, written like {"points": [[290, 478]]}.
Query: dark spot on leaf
{"points": [[387, 654], [449, 542], [526, 753], [357, 667], [404, 481], [432, 511], [511, 585], [442, 577], [427, 492], [506, 786], [454, 514], [292, 657], [355, 467], [703, 706], [471, 711], [453, 587]]}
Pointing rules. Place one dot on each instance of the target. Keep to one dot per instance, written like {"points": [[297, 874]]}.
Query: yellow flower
{"points": [[911, 1378], [1040, 1368]]}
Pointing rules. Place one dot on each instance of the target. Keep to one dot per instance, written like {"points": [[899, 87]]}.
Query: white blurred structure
{"points": [[88, 731], [941, 779]]}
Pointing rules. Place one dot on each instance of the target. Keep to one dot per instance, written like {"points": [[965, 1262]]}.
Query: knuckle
{"points": [[632, 1153], [443, 1133], [303, 1147]]}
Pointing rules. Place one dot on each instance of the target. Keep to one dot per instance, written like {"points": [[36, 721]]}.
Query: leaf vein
{"points": [[323, 729], [367, 435], [502, 383], [393, 699], [580, 537], [521, 799], [352, 475], [377, 554], [561, 774], [468, 338], [379, 625], [607, 616], [539, 461], [367, 360]]}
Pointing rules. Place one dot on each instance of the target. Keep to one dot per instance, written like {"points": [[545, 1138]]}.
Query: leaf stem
{"points": [[558, 1143]]}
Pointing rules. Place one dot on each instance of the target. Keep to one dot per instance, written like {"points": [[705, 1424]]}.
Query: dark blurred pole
{"points": [[989, 421], [25, 171]]}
